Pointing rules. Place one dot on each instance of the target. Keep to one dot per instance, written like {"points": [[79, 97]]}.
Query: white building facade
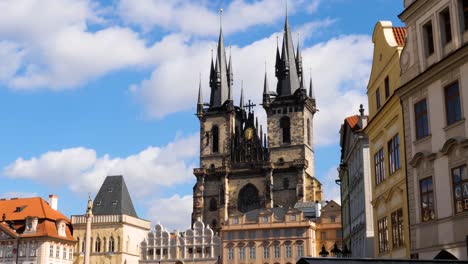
{"points": [[197, 245], [357, 186]]}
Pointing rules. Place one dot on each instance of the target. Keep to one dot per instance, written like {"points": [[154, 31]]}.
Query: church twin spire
{"points": [[288, 71]]}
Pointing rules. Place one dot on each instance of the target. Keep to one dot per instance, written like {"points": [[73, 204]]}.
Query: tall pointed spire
{"points": [[288, 76], [266, 90], [220, 89], [241, 104], [299, 58], [278, 58], [311, 89], [200, 95]]}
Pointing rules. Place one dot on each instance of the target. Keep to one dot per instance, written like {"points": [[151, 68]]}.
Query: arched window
{"points": [[308, 133], [285, 183], [97, 245], [285, 126], [248, 198], [111, 244], [213, 205], [215, 133], [214, 223]]}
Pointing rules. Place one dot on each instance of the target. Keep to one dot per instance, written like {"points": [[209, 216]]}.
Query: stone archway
{"points": [[248, 198]]}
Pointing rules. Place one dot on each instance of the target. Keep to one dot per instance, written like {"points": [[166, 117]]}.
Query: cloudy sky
{"points": [[90, 88]]}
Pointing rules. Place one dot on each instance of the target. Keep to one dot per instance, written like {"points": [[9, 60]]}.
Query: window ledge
{"points": [[419, 140], [455, 124]]}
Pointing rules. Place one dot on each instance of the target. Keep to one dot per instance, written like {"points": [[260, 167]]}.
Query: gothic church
{"points": [[241, 167]]}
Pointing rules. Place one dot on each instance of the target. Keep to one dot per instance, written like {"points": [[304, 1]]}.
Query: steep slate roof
{"points": [[399, 33], [17, 210], [113, 198]]}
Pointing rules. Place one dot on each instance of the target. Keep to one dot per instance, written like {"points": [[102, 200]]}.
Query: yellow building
{"points": [[328, 228], [386, 142], [117, 233]]}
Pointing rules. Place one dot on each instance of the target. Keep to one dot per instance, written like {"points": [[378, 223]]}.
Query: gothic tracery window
{"points": [[248, 198], [308, 133], [285, 125]]}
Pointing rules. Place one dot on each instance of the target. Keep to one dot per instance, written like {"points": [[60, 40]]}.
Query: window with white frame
{"points": [[252, 252], [277, 251], [300, 250], [266, 251], [230, 253], [288, 251], [242, 253]]}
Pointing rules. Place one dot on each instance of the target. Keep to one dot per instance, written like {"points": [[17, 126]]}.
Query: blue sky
{"points": [[90, 88]]}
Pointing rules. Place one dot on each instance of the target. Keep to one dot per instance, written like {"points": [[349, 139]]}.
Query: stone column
{"points": [[89, 218], [269, 188]]}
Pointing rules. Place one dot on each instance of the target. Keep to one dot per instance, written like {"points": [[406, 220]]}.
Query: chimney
{"points": [[53, 201]]}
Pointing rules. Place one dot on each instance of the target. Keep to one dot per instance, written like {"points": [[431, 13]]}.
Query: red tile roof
{"points": [[399, 33], [353, 122], [17, 210]]}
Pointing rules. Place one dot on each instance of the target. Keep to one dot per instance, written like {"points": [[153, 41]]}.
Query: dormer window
{"points": [[114, 203], [235, 220], [292, 217], [61, 228], [31, 224], [265, 219]]}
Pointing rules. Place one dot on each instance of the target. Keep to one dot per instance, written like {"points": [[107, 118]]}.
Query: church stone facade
{"points": [[241, 167]]}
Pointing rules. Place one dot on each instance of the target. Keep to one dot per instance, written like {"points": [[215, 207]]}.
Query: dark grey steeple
{"points": [[200, 100], [241, 103], [299, 60], [311, 90], [113, 198], [220, 81], [287, 72]]}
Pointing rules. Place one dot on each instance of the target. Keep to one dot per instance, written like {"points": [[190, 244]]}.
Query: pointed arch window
{"points": [[285, 125], [213, 204], [309, 138], [97, 245], [215, 133], [248, 198], [111, 245]]}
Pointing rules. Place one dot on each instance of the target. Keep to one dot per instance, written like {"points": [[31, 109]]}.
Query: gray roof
{"points": [[279, 213], [113, 198]]}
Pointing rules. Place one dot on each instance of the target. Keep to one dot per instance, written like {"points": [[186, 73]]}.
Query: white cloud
{"points": [[82, 170], [173, 213], [15, 194], [200, 18], [10, 56], [330, 189]]}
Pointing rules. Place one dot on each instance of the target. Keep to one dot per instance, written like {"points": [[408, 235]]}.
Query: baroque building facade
{"points": [[386, 144], [34, 231], [434, 92], [281, 235], [116, 231], [197, 245], [241, 167], [356, 187]]}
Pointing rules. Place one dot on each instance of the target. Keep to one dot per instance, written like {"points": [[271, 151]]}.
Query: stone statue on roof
{"points": [[90, 205]]}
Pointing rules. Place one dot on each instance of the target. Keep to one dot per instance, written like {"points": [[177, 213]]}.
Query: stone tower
{"points": [[240, 170]]}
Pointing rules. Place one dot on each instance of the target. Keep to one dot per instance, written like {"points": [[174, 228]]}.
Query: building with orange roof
{"points": [[34, 231], [386, 145], [355, 187]]}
